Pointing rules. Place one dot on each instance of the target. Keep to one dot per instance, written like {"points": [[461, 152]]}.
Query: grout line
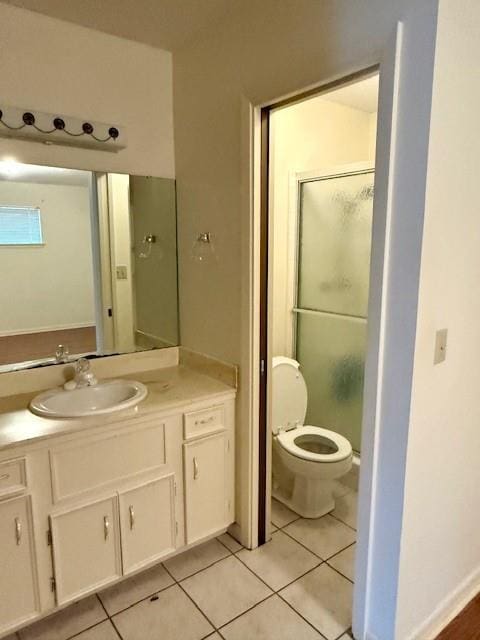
{"points": [[109, 617], [193, 601], [92, 626], [301, 616], [339, 551], [335, 568], [316, 554], [348, 632], [270, 595], [226, 546], [340, 520], [136, 601], [253, 572], [116, 629], [340, 573], [232, 552], [304, 546], [199, 570], [288, 583]]}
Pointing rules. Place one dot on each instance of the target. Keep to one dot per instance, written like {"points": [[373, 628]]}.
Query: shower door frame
{"points": [[297, 179]]}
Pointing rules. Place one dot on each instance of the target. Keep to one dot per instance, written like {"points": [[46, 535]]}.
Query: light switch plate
{"points": [[121, 272], [440, 346]]}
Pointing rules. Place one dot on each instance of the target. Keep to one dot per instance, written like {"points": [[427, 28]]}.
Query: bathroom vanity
{"points": [[85, 502]]}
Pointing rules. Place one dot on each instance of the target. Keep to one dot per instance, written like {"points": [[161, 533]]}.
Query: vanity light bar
{"points": [[51, 128]]}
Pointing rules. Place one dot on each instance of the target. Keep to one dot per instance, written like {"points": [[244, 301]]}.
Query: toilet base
{"points": [[309, 499]]}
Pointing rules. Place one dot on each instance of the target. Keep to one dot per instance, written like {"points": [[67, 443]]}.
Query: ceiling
{"points": [[12, 171], [362, 95], [167, 24]]}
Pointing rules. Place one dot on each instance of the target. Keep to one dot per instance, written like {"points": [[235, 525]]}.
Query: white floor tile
{"points": [[126, 593], [324, 536], [272, 619], [230, 542], [170, 617], [324, 598], [279, 561], [195, 559], [282, 515], [345, 562], [346, 509], [103, 631], [66, 623], [225, 590]]}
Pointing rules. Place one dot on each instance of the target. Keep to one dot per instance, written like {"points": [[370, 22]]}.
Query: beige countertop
{"points": [[168, 389]]}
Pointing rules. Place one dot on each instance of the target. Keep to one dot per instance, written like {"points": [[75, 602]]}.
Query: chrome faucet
{"points": [[84, 376], [61, 354]]}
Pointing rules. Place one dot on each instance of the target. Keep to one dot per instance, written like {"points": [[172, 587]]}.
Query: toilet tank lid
{"points": [[289, 394]]}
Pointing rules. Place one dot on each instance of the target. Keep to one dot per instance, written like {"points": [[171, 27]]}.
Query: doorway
{"points": [[317, 171]]}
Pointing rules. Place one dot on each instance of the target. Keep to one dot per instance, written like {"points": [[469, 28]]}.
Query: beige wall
{"points": [[48, 287], [440, 552], [58, 67], [314, 135]]}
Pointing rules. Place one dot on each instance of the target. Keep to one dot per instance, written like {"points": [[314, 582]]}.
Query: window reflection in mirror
{"points": [[88, 264]]}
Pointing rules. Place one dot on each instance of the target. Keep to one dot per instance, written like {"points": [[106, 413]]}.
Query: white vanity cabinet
{"points": [[86, 548], [208, 472], [107, 501], [147, 522], [18, 581], [206, 494]]}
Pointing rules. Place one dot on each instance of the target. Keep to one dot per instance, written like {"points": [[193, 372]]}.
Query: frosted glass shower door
{"points": [[335, 225]]}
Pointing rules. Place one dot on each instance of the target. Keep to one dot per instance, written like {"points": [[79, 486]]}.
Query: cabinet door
{"points": [[147, 519], [86, 548], [18, 587], [205, 486]]}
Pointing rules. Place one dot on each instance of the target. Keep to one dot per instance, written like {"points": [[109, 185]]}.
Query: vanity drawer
{"points": [[13, 476], [199, 423]]}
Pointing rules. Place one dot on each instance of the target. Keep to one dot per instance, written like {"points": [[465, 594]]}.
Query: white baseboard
{"points": [[448, 608]]}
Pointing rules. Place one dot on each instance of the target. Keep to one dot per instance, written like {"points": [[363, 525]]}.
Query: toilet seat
{"points": [[287, 440]]}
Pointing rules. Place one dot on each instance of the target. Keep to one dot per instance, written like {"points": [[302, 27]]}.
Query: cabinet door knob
{"points": [[106, 527], [196, 471], [132, 516], [18, 531], [5, 476]]}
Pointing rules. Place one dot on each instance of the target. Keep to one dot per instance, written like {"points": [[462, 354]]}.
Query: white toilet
{"points": [[306, 459]]}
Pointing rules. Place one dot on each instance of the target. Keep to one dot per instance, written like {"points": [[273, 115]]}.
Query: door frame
{"points": [[263, 270]]}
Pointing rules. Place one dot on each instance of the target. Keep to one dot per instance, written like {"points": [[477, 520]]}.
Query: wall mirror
{"points": [[88, 263]]}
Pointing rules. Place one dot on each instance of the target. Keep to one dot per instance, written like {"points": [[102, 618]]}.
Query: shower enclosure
{"points": [[330, 312]]}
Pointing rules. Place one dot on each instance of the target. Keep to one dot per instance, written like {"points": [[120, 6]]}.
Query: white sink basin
{"points": [[104, 397]]}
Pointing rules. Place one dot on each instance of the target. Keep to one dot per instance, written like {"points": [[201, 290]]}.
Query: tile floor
{"points": [[297, 586]]}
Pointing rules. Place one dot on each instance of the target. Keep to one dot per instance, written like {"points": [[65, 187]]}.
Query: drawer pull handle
{"points": [[18, 531], [5, 476], [196, 471], [106, 527], [205, 420], [132, 516]]}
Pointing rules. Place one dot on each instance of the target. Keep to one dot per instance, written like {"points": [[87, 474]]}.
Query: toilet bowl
{"points": [[306, 459]]}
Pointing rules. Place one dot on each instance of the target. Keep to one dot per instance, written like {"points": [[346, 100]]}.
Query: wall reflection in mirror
{"points": [[88, 264]]}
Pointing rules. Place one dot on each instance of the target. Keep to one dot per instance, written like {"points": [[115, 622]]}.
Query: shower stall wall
{"points": [[330, 312]]}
